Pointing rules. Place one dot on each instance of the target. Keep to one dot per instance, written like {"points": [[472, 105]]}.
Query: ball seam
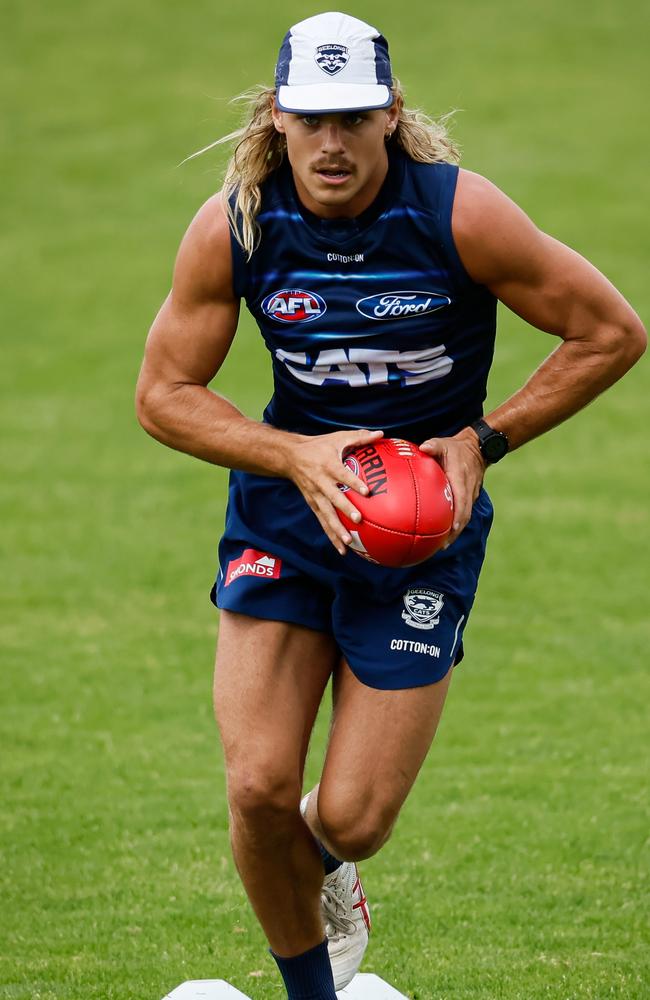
{"points": [[396, 531], [416, 534]]}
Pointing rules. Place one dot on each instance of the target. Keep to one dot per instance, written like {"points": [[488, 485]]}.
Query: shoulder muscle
{"points": [[545, 282], [203, 268], [488, 226]]}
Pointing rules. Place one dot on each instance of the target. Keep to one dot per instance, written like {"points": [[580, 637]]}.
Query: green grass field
{"points": [[519, 870]]}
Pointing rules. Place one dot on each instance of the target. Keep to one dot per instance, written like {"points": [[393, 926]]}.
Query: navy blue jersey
{"points": [[373, 321]]}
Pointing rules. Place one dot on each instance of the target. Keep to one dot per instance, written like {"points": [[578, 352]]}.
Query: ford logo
{"points": [[401, 305]]}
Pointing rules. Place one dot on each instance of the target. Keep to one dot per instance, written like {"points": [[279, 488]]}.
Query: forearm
{"points": [[199, 422], [574, 374]]}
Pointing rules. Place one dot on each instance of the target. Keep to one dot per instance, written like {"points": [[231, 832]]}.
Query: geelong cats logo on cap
{"points": [[332, 58]]}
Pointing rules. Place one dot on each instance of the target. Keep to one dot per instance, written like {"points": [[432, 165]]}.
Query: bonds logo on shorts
{"points": [[332, 58], [293, 305], [253, 563], [423, 607], [401, 305]]}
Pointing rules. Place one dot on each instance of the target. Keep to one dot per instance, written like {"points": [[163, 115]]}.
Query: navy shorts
{"points": [[397, 628]]}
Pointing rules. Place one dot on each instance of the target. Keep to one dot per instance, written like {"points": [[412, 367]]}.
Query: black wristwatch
{"points": [[493, 444]]}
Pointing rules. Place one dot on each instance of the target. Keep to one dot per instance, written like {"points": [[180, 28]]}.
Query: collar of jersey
{"points": [[344, 229]]}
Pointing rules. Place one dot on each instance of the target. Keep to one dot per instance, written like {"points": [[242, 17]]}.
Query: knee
{"points": [[354, 836], [263, 798]]}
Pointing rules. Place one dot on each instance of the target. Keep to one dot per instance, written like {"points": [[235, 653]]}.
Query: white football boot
{"points": [[347, 922], [346, 916]]}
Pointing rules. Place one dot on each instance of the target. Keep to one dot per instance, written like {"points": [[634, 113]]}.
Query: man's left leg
{"points": [[378, 742]]}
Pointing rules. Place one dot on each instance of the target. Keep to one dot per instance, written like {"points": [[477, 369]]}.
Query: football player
{"points": [[372, 265]]}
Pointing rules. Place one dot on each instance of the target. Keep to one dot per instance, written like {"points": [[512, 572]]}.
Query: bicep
{"points": [[545, 282], [188, 342], [193, 331]]}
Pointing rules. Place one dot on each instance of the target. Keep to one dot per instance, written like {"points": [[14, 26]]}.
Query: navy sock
{"points": [[308, 976], [330, 863]]}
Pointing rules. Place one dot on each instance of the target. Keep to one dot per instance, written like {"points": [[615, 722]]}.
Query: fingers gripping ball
{"points": [[409, 511]]}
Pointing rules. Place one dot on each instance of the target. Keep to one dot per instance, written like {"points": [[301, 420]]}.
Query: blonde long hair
{"points": [[260, 149]]}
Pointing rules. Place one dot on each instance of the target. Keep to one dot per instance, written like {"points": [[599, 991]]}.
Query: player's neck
{"points": [[355, 206]]}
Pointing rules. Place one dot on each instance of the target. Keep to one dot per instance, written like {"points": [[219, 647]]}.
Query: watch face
{"points": [[493, 444], [495, 447]]}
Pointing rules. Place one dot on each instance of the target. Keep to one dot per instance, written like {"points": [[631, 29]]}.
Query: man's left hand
{"points": [[464, 466]]}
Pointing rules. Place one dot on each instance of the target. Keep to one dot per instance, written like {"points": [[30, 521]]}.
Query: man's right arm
{"points": [[185, 349]]}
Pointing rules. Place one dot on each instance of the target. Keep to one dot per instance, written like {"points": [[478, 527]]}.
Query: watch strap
{"points": [[493, 444]]}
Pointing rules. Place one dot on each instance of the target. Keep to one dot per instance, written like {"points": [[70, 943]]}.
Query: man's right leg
{"points": [[269, 681]]}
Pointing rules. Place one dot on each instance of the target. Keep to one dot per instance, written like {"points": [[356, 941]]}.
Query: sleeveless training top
{"points": [[373, 321]]}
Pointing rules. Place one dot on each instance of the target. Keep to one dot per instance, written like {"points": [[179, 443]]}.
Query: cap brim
{"points": [[326, 99]]}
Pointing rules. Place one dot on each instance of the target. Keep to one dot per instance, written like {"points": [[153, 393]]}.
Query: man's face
{"points": [[339, 161]]}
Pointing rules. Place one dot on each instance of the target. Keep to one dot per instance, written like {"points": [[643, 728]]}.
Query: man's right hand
{"points": [[315, 465]]}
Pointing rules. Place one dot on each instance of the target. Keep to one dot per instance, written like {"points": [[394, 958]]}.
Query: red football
{"points": [[409, 511]]}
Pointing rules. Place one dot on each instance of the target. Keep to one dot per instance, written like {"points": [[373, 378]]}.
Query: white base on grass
{"points": [[365, 986], [205, 989]]}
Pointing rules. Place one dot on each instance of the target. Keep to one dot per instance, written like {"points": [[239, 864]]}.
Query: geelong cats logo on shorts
{"points": [[293, 305], [423, 607], [332, 58]]}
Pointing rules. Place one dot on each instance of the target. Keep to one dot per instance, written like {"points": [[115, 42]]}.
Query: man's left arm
{"points": [[554, 289]]}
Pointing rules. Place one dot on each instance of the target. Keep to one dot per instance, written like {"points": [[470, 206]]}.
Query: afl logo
{"points": [[401, 305], [293, 305]]}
